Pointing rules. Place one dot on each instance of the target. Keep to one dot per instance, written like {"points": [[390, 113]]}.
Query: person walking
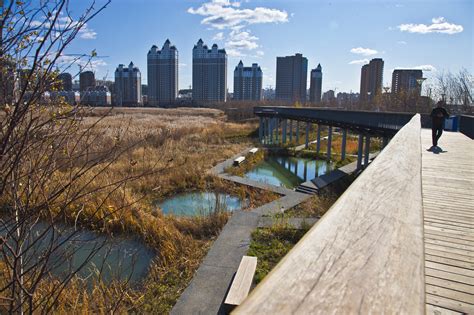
{"points": [[438, 115]]}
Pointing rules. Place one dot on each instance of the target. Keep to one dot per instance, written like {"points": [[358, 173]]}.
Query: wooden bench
{"points": [[239, 160], [242, 281], [254, 150]]}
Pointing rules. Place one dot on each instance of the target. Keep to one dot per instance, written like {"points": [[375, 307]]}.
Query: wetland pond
{"points": [[200, 203], [287, 171], [117, 258]]}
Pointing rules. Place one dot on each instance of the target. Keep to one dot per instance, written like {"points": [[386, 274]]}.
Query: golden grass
{"points": [[174, 148]]}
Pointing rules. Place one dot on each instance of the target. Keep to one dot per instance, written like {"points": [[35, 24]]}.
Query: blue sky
{"points": [[340, 35]]}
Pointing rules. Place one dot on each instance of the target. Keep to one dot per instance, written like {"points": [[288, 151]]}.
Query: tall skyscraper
{"points": [[248, 82], [371, 79], [209, 73], [162, 74], [86, 80], [291, 77], [66, 81], [406, 80], [316, 85], [128, 86]]}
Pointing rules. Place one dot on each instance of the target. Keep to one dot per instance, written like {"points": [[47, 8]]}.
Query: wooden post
{"points": [[359, 151], [367, 151], [328, 153], [343, 145], [307, 136]]}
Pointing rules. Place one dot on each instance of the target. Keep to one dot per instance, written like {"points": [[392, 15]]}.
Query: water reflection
{"points": [[288, 171]]}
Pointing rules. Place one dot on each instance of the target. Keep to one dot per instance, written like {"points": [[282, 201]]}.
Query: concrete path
{"points": [[209, 286]]}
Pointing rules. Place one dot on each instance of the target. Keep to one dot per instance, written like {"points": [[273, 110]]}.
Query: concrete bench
{"points": [[239, 160], [242, 281], [254, 150]]}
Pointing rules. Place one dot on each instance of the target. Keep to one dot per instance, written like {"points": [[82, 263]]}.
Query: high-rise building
{"points": [[209, 73], [316, 85], [406, 80], [291, 77], [86, 80], [66, 81], [128, 86], [329, 96], [248, 82], [371, 79], [162, 74], [96, 96]]}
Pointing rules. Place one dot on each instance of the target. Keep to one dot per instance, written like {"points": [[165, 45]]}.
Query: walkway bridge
{"points": [[400, 240]]}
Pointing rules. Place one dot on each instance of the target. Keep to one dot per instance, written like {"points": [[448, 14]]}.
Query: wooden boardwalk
{"points": [[448, 209]]}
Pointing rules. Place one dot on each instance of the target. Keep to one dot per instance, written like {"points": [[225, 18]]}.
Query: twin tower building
{"points": [[209, 75]]}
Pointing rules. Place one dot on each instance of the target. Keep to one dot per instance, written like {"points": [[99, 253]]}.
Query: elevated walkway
{"points": [[448, 211]]}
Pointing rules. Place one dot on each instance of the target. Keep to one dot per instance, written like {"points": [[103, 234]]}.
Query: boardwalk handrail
{"points": [[366, 254]]}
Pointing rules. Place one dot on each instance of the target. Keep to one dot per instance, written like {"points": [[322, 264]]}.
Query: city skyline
{"points": [[408, 35]]}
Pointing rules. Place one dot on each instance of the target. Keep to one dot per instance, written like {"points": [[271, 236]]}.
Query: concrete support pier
{"points": [[283, 136], [367, 151], [329, 142], [260, 131], [297, 132], [359, 151], [307, 136], [343, 145], [277, 135], [291, 131], [318, 143]]}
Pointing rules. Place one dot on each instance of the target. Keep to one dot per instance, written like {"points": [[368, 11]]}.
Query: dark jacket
{"points": [[438, 115]]}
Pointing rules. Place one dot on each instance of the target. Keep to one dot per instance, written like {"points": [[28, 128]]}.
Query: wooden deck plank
{"points": [[242, 281], [449, 276], [449, 261], [449, 244], [450, 294], [449, 304], [449, 232], [447, 268], [436, 310], [448, 238], [453, 285]]}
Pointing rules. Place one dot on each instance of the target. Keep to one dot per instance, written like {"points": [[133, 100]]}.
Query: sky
{"points": [[340, 35]]}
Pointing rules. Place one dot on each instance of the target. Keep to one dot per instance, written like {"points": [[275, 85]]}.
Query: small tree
{"points": [[52, 170]]}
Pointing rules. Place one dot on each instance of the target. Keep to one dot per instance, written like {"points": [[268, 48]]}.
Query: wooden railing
{"points": [[366, 254]]}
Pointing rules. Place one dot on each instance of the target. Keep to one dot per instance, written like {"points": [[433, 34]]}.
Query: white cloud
{"points": [[359, 62], [226, 15], [363, 51], [420, 67], [242, 40], [87, 33], [402, 42], [260, 53], [439, 25], [222, 14], [218, 36], [234, 52], [85, 62]]}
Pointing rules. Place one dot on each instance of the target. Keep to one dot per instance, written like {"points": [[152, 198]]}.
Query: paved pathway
{"points": [[448, 206]]}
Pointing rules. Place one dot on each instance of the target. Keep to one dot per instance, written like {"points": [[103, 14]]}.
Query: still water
{"points": [[287, 171], [88, 253], [200, 203]]}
